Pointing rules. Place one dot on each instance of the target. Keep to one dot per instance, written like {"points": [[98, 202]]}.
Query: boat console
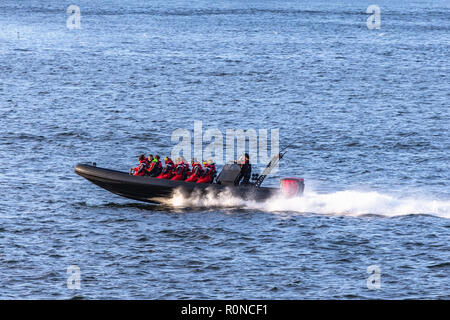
{"points": [[229, 174]]}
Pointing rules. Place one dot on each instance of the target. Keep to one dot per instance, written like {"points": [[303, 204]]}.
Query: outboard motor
{"points": [[291, 187]]}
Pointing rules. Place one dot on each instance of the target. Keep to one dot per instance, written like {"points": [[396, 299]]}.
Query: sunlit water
{"points": [[366, 112]]}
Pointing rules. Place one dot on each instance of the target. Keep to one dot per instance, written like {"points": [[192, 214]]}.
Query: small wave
{"points": [[142, 206], [444, 265], [347, 203], [22, 49], [24, 136]]}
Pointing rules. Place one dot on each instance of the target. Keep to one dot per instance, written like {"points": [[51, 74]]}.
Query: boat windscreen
{"points": [[229, 174]]}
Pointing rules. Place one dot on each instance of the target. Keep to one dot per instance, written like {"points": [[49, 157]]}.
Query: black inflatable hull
{"points": [[155, 190]]}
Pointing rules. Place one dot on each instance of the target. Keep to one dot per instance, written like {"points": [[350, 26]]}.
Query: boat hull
{"points": [[153, 190]]}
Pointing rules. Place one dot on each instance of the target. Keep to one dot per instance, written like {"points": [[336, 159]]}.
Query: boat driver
{"points": [[246, 170]]}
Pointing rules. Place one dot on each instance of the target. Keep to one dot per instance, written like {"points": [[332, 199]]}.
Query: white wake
{"points": [[349, 202]]}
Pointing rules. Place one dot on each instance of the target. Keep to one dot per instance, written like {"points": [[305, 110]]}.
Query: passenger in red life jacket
{"points": [[155, 167], [181, 169], [148, 161], [196, 171], [209, 173], [141, 168], [187, 170], [166, 173]]}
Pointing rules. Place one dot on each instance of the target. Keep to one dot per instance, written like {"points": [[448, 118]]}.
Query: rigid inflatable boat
{"points": [[149, 189]]}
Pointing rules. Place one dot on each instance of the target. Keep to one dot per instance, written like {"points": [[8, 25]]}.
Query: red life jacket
{"points": [[196, 172], [142, 172], [154, 168], [208, 174], [150, 168], [180, 171], [167, 171]]}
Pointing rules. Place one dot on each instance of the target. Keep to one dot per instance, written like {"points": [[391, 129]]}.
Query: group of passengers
{"points": [[180, 170]]}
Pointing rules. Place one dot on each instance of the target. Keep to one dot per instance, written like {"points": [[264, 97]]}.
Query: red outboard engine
{"points": [[291, 187]]}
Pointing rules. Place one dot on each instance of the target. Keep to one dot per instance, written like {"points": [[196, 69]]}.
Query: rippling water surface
{"points": [[366, 111]]}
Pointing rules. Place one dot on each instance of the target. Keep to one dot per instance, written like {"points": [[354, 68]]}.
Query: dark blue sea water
{"points": [[366, 112]]}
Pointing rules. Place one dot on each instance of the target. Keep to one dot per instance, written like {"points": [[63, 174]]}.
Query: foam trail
{"points": [[349, 203], [355, 203]]}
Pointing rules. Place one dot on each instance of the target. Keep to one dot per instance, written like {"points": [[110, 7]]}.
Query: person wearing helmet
{"points": [[209, 173], [166, 173], [196, 172], [246, 171], [140, 169]]}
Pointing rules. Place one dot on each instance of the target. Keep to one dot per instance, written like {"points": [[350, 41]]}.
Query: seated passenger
{"points": [[140, 169], [196, 171], [155, 167], [186, 164], [209, 173], [246, 171], [181, 169], [166, 173], [159, 165], [148, 161]]}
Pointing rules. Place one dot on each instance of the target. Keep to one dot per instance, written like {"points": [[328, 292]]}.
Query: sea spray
{"points": [[347, 203], [355, 203], [212, 198]]}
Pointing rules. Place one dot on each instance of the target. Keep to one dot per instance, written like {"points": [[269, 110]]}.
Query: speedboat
{"points": [[154, 190]]}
